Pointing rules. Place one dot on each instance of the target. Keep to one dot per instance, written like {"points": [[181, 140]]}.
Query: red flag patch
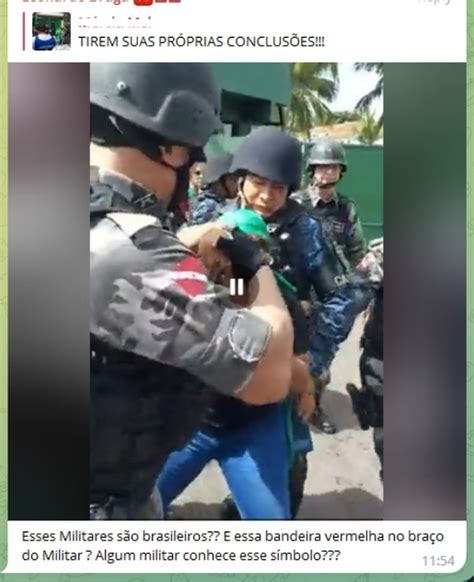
{"points": [[191, 276]]}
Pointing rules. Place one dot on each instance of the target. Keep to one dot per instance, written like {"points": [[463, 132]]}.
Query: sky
{"points": [[352, 86]]}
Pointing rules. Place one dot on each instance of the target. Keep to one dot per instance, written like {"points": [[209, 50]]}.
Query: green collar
{"points": [[283, 282]]}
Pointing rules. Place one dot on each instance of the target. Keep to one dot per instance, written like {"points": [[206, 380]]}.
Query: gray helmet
{"points": [[327, 151], [215, 169], [270, 153], [177, 101]]}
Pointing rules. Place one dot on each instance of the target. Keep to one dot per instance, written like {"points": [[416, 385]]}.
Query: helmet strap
{"points": [[241, 192], [149, 145]]}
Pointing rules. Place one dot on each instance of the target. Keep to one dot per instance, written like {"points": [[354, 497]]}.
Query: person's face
{"points": [[264, 196], [196, 175], [326, 174]]}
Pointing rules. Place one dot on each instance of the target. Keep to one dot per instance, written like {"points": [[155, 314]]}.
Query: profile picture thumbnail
{"points": [[51, 31]]}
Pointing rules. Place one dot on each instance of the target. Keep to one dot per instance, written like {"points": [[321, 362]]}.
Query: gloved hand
{"points": [[217, 264], [244, 254]]}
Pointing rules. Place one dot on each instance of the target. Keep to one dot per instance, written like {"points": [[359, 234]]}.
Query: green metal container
{"points": [[253, 94], [363, 182]]}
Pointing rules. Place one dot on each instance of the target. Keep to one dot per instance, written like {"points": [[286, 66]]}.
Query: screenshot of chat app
{"points": [[210, 364]]}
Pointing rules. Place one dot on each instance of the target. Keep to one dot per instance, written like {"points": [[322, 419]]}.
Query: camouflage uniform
{"points": [[368, 402], [302, 255], [209, 207], [371, 371], [342, 228], [161, 340], [339, 215]]}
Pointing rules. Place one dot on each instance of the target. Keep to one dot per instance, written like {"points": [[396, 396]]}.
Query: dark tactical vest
{"points": [[140, 410], [280, 227], [334, 217], [335, 220]]}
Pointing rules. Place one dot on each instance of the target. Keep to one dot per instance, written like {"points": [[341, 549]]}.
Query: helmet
{"points": [[271, 154], [216, 168], [326, 151], [177, 101], [246, 220]]}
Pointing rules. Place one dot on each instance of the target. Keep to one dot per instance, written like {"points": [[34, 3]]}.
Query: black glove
{"points": [[244, 254]]}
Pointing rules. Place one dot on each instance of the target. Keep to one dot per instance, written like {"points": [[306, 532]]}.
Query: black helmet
{"points": [[270, 153], [177, 101], [215, 169], [326, 151]]}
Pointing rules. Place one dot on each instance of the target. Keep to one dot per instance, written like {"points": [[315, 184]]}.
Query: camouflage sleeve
{"points": [[355, 246], [330, 326], [336, 307], [318, 261], [152, 297]]}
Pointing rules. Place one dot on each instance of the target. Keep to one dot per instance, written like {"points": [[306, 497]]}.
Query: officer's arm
{"points": [[271, 379], [337, 307], [332, 324], [356, 247], [191, 235], [321, 265], [165, 309]]}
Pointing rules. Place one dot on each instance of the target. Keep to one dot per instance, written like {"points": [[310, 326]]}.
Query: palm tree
{"points": [[312, 84], [369, 130], [366, 101]]}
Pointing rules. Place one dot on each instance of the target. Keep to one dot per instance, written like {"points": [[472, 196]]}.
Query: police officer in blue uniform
{"points": [[219, 187], [269, 163]]}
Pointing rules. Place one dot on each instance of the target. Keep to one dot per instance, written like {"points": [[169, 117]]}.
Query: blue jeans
{"points": [[254, 461]]}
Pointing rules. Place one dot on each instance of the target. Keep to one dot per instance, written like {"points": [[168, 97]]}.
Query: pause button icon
{"points": [[236, 287]]}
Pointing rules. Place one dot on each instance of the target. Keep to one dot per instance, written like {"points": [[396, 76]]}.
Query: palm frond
{"points": [[313, 85], [366, 101]]}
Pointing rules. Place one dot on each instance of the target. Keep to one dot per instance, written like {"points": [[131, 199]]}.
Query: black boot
{"points": [[321, 421]]}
